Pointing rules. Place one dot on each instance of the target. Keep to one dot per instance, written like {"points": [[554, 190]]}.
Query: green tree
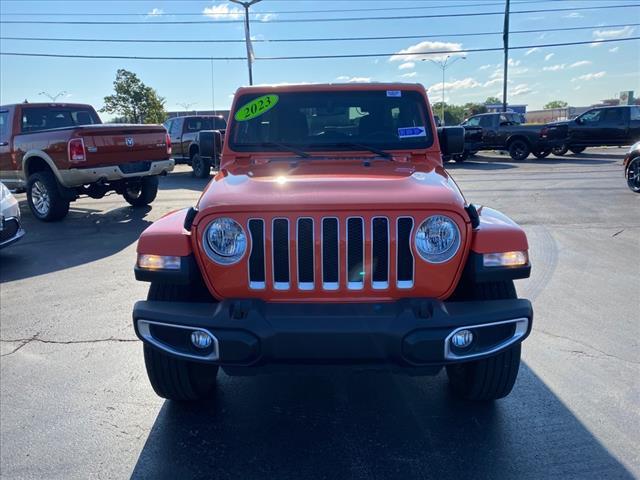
{"points": [[492, 100], [134, 100], [556, 104]]}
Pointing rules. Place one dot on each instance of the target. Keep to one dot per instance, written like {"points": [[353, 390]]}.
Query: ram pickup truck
{"points": [[192, 148], [506, 131], [333, 237], [601, 127], [61, 151]]}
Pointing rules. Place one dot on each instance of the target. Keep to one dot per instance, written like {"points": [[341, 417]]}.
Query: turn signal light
{"points": [[76, 151], [505, 259], [158, 262]]}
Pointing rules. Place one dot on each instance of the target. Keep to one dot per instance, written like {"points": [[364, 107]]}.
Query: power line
{"points": [[318, 57], [309, 20], [332, 39]]}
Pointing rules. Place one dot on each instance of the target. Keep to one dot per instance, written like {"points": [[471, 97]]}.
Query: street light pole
{"points": [[505, 39], [443, 64], [247, 34], [53, 98]]}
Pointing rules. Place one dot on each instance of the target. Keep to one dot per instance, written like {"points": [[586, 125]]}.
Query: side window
{"points": [[176, 128], [613, 116], [4, 126], [485, 121], [591, 117], [473, 122], [635, 113]]}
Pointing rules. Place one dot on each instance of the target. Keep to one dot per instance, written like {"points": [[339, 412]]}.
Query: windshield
{"points": [[331, 120]]}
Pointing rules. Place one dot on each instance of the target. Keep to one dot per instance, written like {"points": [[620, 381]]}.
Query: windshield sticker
{"points": [[256, 107], [409, 132], [394, 93]]}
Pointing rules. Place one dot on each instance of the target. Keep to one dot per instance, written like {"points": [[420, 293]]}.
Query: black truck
{"points": [[601, 127], [507, 131], [191, 145]]}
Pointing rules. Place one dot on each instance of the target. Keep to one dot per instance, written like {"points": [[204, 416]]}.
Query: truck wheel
{"points": [[201, 166], [633, 175], [459, 158], [44, 198], [172, 378], [143, 193], [577, 150], [519, 149], [493, 377], [560, 151], [542, 153]]}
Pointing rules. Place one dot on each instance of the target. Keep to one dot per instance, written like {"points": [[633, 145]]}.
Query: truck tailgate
{"points": [[118, 144]]}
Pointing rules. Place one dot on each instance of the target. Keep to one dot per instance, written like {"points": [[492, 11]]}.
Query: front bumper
{"points": [[75, 177], [408, 334], [10, 231]]}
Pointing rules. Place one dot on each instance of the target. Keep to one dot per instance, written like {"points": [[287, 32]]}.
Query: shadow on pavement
{"points": [[371, 426], [479, 165], [84, 236], [184, 180]]}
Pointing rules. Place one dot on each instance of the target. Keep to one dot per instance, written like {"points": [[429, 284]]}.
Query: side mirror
{"points": [[579, 121], [451, 140]]}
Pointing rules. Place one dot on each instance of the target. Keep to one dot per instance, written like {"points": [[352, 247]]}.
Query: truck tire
{"points": [[201, 166], [493, 377], [560, 151], [142, 194], [170, 377], [542, 153], [519, 149], [44, 197], [633, 175], [577, 150], [461, 157]]}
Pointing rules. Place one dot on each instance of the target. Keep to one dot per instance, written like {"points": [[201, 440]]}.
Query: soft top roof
{"points": [[317, 87]]}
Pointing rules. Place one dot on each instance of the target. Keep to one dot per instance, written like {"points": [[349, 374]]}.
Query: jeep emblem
{"points": [[129, 141]]}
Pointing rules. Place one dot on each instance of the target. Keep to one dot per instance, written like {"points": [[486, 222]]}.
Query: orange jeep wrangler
{"points": [[332, 235]]}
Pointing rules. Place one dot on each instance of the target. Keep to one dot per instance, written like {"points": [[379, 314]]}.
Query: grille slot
{"points": [[380, 253], [404, 259], [256, 259], [280, 244], [305, 253], [330, 254], [355, 253]]}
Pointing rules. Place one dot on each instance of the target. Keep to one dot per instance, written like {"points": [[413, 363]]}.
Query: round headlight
{"points": [[438, 239], [225, 240]]}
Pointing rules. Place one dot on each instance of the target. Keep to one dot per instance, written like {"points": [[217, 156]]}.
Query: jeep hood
{"points": [[382, 185]]}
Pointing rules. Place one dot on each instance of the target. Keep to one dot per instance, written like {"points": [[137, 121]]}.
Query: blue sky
{"points": [[580, 75]]}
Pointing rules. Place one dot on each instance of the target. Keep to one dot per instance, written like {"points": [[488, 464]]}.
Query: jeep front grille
{"points": [[348, 253]]}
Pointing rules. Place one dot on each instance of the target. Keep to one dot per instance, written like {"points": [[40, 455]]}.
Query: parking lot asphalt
{"points": [[75, 401]]}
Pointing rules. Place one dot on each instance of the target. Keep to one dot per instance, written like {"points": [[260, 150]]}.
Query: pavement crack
{"points": [[35, 338]]}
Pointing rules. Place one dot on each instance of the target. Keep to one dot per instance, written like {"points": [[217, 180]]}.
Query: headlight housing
{"points": [[225, 241], [437, 239]]}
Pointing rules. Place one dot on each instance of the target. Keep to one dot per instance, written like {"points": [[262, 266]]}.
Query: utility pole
{"points": [[247, 33], [505, 39], [443, 64], [53, 98]]}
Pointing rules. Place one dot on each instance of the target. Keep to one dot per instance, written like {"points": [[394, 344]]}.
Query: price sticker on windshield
{"points": [[256, 107]]}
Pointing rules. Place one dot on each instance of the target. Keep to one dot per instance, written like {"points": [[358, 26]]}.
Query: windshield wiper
{"points": [[375, 150], [284, 146]]}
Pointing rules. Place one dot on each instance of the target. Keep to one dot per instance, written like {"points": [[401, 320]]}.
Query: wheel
{"points": [[493, 377], [44, 198], [560, 151], [633, 175], [461, 157], [577, 150], [519, 149], [143, 193], [201, 166], [172, 378], [542, 153]]}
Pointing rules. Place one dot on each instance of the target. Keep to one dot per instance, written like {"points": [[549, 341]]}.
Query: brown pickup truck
{"points": [[58, 152]]}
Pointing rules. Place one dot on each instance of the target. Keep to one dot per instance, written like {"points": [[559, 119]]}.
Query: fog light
{"points": [[462, 339], [201, 339]]}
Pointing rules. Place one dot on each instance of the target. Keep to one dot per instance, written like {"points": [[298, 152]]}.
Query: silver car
{"points": [[10, 228]]}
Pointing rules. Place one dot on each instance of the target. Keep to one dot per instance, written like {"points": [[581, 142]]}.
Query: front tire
{"points": [[519, 150], [44, 198], [542, 153], [201, 166], [633, 175], [493, 377], [560, 151], [170, 377], [142, 194], [577, 150]]}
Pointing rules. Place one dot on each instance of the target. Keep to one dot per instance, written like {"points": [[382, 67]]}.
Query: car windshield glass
{"points": [[34, 119], [375, 120]]}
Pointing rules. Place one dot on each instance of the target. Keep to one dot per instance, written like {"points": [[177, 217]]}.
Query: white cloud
{"points": [[495, 81], [530, 51], [513, 63], [574, 15], [346, 78], [409, 75], [155, 12], [457, 84], [589, 76], [223, 11], [485, 67], [554, 68], [420, 51], [613, 33], [497, 74], [407, 66], [548, 56], [577, 87], [265, 17], [614, 49], [581, 63], [519, 90]]}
